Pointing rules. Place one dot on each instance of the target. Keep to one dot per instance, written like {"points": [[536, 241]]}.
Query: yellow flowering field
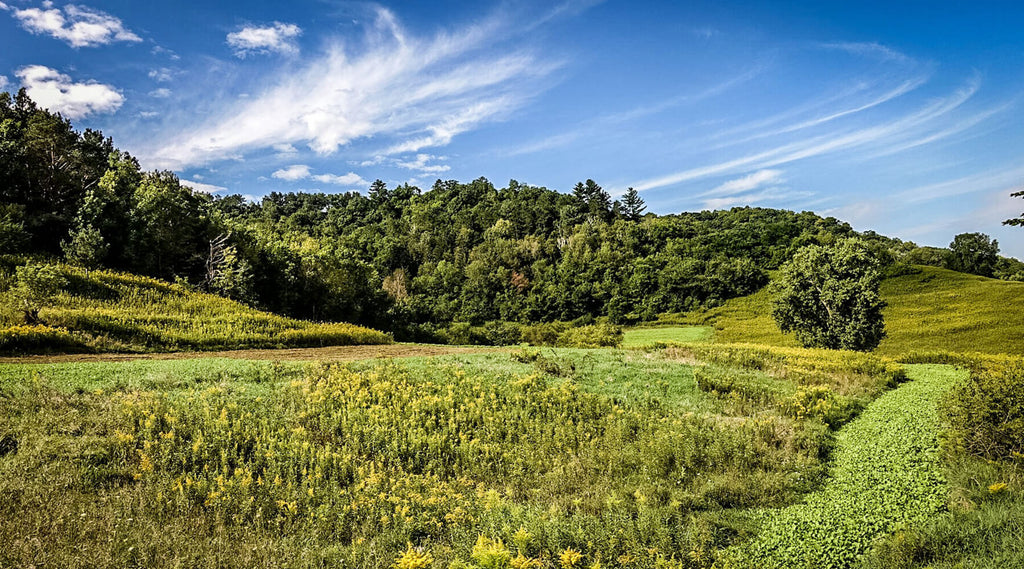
{"points": [[548, 459]]}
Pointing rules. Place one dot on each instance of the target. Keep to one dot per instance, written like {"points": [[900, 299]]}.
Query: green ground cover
{"points": [[887, 475], [983, 442]]}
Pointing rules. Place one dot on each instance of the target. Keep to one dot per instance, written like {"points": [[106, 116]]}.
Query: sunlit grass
{"points": [[109, 311], [932, 310], [544, 457], [640, 337]]}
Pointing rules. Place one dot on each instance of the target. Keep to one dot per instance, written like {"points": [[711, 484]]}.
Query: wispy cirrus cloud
{"points": [[60, 93], [275, 38], [408, 92], [746, 183], [76, 25], [869, 49], [883, 133], [898, 91], [604, 123]]}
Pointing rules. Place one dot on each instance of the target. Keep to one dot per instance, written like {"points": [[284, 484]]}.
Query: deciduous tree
{"points": [[974, 253], [828, 296]]}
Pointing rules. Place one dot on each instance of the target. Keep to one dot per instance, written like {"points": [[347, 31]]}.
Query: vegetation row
{"points": [[74, 309]]}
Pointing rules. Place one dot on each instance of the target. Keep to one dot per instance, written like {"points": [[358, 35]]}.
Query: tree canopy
{"points": [[974, 253], [829, 297]]}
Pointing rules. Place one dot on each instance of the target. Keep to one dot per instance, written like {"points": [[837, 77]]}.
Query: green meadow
{"points": [[929, 310]]}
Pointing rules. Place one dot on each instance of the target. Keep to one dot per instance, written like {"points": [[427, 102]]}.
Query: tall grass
{"points": [[568, 459], [108, 311]]}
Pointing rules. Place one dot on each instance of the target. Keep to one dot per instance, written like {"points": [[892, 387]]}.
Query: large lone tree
{"points": [[828, 296]]}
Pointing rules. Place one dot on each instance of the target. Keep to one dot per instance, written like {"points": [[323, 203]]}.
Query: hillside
{"points": [[931, 310], [110, 311]]}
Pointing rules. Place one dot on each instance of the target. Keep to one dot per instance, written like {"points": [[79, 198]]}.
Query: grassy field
{"points": [[932, 310], [534, 458], [107, 311], [694, 454], [665, 335]]}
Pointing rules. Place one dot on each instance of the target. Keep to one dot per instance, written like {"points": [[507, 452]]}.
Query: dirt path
{"points": [[331, 353]]}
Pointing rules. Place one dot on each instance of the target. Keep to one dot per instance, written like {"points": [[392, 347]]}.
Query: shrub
{"points": [[38, 338], [501, 333], [591, 336], [34, 285], [985, 413], [543, 334]]}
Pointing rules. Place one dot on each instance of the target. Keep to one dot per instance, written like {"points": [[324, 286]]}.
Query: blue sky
{"points": [[900, 117]]}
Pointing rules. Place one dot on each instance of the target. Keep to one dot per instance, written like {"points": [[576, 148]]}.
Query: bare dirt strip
{"points": [[328, 354]]}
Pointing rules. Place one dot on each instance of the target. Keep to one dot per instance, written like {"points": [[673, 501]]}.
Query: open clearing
{"points": [[638, 337], [620, 457]]}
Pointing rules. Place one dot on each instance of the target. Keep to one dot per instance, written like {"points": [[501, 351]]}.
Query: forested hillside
{"points": [[400, 258]]}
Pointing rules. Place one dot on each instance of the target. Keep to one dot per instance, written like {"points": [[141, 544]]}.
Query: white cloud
{"points": [[169, 53], [747, 183], [292, 173], [420, 164], [765, 196], [285, 149], [79, 26], [58, 93], [3, 82], [278, 38], [161, 93], [350, 179], [408, 92], [298, 172], [888, 131], [148, 114], [204, 188], [162, 74]]}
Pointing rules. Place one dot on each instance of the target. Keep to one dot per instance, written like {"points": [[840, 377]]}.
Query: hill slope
{"points": [[109, 311], [931, 310]]}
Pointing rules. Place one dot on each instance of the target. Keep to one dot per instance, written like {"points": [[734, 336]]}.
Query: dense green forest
{"points": [[402, 259]]}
